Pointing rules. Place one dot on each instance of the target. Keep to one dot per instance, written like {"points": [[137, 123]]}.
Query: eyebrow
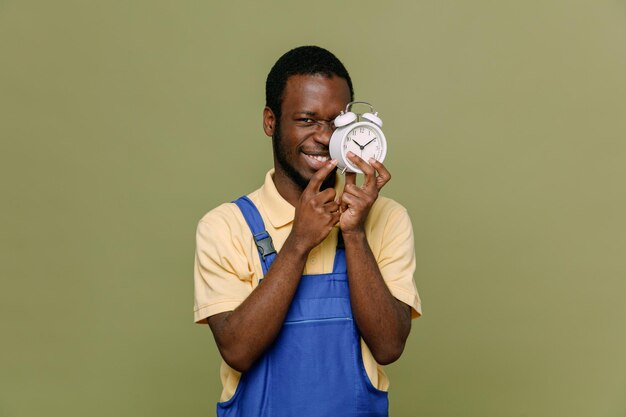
{"points": [[311, 114], [306, 113]]}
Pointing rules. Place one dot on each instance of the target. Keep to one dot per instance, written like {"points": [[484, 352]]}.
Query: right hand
{"points": [[316, 212]]}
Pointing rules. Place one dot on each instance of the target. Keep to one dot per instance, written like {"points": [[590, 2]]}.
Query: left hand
{"points": [[355, 201]]}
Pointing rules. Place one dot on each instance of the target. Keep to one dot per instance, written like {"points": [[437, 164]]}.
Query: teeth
{"points": [[319, 158]]}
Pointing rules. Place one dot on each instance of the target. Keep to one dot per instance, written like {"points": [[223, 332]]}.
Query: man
{"points": [[305, 331]]}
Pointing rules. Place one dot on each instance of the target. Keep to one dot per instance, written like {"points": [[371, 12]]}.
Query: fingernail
{"points": [[333, 162], [350, 153], [372, 160]]}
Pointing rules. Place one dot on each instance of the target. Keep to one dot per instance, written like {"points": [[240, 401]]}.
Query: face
{"points": [[301, 136]]}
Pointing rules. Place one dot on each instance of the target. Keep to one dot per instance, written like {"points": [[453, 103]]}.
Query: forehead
{"points": [[326, 96]]}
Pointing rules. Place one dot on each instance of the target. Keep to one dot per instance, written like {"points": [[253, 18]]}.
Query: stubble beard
{"points": [[283, 160]]}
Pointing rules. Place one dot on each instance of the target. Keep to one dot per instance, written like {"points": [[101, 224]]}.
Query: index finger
{"points": [[318, 178], [383, 173], [368, 171]]}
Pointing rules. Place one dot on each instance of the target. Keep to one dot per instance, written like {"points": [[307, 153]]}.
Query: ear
{"points": [[269, 121]]}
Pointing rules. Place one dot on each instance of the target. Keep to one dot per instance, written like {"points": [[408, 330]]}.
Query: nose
{"points": [[324, 130]]}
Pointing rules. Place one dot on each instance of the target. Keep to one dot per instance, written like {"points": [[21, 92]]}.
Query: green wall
{"points": [[123, 122]]}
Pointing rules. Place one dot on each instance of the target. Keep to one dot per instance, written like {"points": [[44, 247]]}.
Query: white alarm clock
{"points": [[363, 137]]}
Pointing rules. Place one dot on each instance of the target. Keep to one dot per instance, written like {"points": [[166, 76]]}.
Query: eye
{"points": [[306, 122]]}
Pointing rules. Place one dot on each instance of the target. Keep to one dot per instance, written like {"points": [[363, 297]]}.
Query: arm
{"points": [[244, 334], [383, 321]]}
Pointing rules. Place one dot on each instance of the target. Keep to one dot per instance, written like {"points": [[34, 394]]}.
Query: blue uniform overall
{"points": [[314, 368]]}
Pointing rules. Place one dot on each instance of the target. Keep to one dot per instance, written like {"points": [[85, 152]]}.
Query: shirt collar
{"points": [[278, 210]]}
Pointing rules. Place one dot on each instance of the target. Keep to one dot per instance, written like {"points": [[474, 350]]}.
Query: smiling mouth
{"points": [[319, 158]]}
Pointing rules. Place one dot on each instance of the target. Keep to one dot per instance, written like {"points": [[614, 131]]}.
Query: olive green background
{"points": [[123, 122]]}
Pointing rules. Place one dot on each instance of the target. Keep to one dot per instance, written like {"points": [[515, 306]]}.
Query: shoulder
{"points": [[388, 227], [385, 210], [227, 216], [387, 204], [224, 214], [392, 242], [225, 226], [222, 221]]}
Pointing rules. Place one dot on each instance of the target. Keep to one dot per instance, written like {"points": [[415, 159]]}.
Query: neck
{"points": [[291, 191], [287, 189]]}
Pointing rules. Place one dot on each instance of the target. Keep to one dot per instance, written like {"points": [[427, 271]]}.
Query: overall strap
{"points": [[263, 240], [339, 265]]}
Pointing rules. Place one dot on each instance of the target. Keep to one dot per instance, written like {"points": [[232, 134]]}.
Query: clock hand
{"points": [[368, 143], [360, 146]]}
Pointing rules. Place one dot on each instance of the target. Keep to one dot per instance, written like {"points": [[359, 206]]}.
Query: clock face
{"points": [[363, 138], [365, 142]]}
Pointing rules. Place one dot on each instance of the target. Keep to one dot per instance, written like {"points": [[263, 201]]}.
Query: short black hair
{"points": [[303, 60]]}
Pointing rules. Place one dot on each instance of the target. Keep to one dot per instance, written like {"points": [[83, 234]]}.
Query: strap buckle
{"points": [[264, 243]]}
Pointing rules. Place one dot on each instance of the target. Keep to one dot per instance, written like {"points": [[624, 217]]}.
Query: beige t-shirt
{"points": [[227, 266]]}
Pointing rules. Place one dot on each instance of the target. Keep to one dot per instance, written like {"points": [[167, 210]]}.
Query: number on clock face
{"points": [[364, 142]]}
